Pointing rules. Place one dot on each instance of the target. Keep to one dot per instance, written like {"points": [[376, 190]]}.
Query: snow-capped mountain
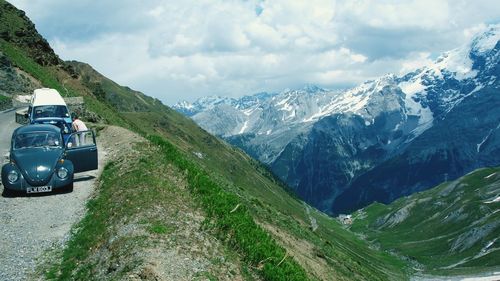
{"points": [[325, 143]]}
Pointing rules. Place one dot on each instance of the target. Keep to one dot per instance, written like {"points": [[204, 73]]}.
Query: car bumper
{"points": [[21, 185]]}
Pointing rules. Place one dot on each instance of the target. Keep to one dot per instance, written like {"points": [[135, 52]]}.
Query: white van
{"points": [[47, 102], [47, 106]]}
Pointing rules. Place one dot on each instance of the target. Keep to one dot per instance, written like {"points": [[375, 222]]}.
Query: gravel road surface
{"points": [[32, 224]]}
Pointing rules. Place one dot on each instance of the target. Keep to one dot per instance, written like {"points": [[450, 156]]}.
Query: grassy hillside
{"points": [[330, 246], [452, 228], [275, 235]]}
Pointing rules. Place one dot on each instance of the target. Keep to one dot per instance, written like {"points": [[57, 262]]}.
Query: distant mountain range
{"points": [[387, 138]]}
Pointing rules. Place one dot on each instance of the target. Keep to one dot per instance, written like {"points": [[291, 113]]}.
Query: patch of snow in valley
{"points": [[286, 107], [314, 223], [494, 277], [487, 177], [489, 244], [497, 199], [243, 128], [486, 138], [483, 141], [249, 111], [491, 276]]}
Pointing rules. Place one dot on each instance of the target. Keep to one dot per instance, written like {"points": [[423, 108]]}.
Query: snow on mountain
{"points": [[429, 93], [486, 41]]}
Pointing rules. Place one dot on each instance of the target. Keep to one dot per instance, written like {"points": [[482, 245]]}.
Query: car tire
{"points": [[8, 193], [69, 188]]}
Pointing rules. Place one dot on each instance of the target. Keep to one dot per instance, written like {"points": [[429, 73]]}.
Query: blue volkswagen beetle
{"points": [[40, 161]]}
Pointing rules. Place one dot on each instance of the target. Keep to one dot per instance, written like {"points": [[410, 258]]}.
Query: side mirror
{"points": [[26, 115], [69, 145]]}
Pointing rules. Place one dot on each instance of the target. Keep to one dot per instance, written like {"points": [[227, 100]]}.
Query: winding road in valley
{"points": [[32, 225]]}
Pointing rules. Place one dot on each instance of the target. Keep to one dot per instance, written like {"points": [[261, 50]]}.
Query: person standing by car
{"points": [[79, 126]]}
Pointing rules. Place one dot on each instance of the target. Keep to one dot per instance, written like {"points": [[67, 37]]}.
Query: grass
{"points": [[159, 228], [233, 221], [123, 198], [268, 201], [449, 224], [23, 61], [109, 208]]}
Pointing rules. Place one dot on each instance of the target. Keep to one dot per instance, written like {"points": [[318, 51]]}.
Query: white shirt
{"points": [[79, 126]]}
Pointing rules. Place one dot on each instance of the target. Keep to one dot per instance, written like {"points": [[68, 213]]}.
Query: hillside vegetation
{"points": [[453, 228], [271, 233]]}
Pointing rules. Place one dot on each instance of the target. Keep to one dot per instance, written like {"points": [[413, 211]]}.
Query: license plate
{"points": [[39, 189]]}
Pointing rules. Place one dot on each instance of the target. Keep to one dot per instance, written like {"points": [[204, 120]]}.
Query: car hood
{"points": [[37, 164]]}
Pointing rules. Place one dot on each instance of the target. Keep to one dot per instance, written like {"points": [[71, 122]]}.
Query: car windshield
{"points": [[50, 111], [37, 139]]}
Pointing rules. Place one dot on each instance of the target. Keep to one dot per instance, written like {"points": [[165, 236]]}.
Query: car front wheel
{"points": [[69, 188], [8, 193]]}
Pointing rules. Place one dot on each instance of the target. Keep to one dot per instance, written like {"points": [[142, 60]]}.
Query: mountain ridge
{"points": [[393, 112]]}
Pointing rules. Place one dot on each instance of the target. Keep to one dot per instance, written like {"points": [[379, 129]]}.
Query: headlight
{"points": [[13, 176], [62, 173]]}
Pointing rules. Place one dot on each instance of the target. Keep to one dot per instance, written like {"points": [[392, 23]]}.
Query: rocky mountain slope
{"points": [[452, 227], [376, 142]]}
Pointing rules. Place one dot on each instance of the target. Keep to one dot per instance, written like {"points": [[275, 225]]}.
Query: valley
{"points": [[176, 202], [452, 228]]}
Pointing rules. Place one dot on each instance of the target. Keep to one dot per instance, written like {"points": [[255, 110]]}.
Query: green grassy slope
{"points": [[452, 228], [327, 251]]}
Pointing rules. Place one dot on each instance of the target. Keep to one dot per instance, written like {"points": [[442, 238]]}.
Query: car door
{"points": [[81, 149]]}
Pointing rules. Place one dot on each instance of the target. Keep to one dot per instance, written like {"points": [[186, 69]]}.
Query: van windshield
{"points": [[50, 111]]}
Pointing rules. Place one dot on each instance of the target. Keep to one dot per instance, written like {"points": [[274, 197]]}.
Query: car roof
{"points": [[46, 96], [37, 128]]}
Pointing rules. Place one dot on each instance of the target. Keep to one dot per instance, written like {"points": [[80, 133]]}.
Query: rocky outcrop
{"points": [[17, 29], [13, 81]]}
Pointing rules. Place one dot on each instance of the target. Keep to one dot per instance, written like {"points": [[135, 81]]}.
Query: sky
{"points": [[184, 50]]}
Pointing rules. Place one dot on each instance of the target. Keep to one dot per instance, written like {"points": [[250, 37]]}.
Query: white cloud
{"points": [[187, 49], [415, 61], [399, 14]]}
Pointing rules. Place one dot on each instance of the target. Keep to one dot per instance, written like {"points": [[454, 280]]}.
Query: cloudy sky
{"points": [[183, 50]]}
